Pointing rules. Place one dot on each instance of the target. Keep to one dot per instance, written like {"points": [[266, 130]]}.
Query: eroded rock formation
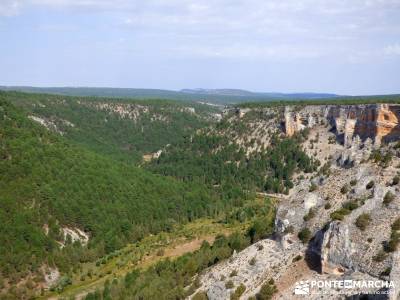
{"points": [[380, 122], [336, 249]]}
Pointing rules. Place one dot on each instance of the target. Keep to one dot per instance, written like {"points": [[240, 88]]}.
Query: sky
{"points": [[349, 47]]}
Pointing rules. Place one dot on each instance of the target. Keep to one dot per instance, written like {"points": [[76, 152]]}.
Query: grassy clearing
{"points": [[183, 239]]}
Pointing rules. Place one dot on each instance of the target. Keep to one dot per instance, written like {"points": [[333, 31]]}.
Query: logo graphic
{"points": [[302, 288]]}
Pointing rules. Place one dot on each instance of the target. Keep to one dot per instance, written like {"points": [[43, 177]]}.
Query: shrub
{"points": [[340, 214], [350, 205], [389, 197], [229, 284], [396, 180], [233, 273], [386, 272], [200, 296], [310, 215], [304, 235], [344, 189], [62, 283], [238, 292], [353, 182], [370, 185], [381, 256], [267, 290], [252, 261], [363, 221], [325, 169], [313, 187], [327, 206], [396, 224], [394, 242], [297, 258]]}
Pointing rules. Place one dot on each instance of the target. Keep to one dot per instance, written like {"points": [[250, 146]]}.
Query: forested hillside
{"points": [[215, 160], [74, 187], [49, 186], [121, 128]]}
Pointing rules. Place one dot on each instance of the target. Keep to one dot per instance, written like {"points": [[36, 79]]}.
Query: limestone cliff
{"points": [[380, 122]]}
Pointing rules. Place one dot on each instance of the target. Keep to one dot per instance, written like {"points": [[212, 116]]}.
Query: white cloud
{"points": [[251, 52], [392, 49], [243, 28], [9, 7]]}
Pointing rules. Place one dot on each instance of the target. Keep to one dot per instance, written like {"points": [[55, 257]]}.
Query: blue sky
{"points": [[341, 46]]}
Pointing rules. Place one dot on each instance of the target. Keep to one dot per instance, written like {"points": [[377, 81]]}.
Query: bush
{"points": [[310, 215], [381, 256], [233, 273], [389, 197], [327, 206], [252, 261], [370, 185], [267, 290], [313, 187], [229, 284], [383, 160], [344, 189], [394, 242], [363, 221], [339, 214], [61, 284], [304, 235], [297, 258], [396, 180], [350, 205], [200, 296], [238, 292], [353, 182], [386, 272], [396, 225], [325, 169]]}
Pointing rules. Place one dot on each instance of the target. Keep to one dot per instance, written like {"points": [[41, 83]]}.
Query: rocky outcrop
{"points": [[269, 261], [380, 122], [336, 249], [299, 120], [355, 151]]}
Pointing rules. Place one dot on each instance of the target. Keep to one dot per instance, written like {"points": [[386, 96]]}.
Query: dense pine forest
{"points": [[47, 181], [121, 128], [213, 160], [75, 164]]}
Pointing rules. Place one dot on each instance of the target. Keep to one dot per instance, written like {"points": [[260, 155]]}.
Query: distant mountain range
{"points": [[217, 96], [245, 93]]}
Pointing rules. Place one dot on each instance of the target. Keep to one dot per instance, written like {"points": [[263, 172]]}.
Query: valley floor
{"points": [[188, 238]]}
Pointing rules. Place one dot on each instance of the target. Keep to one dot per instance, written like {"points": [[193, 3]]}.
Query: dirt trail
{"points": [[169, 252], [177, 250]]}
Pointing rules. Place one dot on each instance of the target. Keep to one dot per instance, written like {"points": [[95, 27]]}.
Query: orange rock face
{"points": [[387, 122], [380, 122]]}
